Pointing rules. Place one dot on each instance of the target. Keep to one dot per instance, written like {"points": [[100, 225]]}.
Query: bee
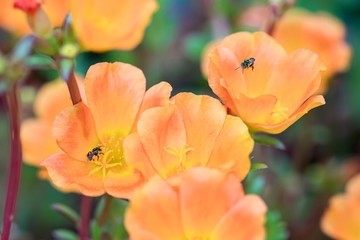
{"points": [[247, 64], [94, 152]]}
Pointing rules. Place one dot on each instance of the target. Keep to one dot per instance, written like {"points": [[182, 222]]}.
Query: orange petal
{"points": [[214, 80], [147, 223], [74, 131], [299, 75], [102, 27], [353, 186], [44, 175], [136, 157], [256, 109], [67, 172], [342, 219], [266, 52], [160, 129], [122, 184], [204, 118], [245, 221], [311, 103], [114, 93], [156, 96], [232, 157], [232, 78], [37, 141], [200, 189]]}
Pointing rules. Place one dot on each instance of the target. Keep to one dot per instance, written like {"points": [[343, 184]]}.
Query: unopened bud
{"points": [[38, 20]]}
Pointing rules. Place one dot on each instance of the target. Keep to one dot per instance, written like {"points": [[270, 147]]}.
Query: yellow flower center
{"points": [[199, 238], [180, 153], [278, 114], [107, 155]]}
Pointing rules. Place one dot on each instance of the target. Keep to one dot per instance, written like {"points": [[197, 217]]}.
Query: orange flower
{"points": [[14, 20], [91, 135], [37, 140], [102, 25], [321, 33], [200, 203], [276, 92], [191, 131], [342, 219]]}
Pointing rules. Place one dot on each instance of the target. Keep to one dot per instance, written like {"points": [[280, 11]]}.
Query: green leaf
{"points": [[40, 61], [257, 166], [63, 234], [95, 230], [23, 48], [270, 141], [275, 227], [254, 184], [66, 211]]}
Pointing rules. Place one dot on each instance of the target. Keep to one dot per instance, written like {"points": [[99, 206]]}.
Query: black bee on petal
{"points": [[95, 152], [248, 63]]}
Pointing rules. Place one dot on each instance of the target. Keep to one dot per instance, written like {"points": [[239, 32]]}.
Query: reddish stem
{"points": [[85, 216], [15, 163]]}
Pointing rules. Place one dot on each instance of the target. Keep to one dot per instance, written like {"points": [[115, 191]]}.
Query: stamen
{"points": [[180, 153], [278, 114], [110, 156]]}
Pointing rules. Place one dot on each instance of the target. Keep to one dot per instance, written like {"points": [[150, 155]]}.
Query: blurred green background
{"points": [[322, 148]]}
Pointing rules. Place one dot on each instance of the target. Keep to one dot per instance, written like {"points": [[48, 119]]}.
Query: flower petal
{"points": [[250, 212], [256, 109], [102, 27], [114, 92], [200, 189], [69, 173], [122, 184], [160, 129], [37, 141], [296, 79], [74, 131], [144, 223], [136, 157], [204, 118], [266, 52], [311, 103], [156, 96], [232, 157]]}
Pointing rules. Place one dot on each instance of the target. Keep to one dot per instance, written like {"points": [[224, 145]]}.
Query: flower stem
{"points": [[74, 89], [85, 215], [106, 210], [15, 162]]}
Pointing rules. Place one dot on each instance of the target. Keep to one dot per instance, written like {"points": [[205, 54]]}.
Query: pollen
{"points": [[180, 153], [112, 156]]}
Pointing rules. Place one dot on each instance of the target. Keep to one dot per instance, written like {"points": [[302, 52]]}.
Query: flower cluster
{"points": [[180, 160]]}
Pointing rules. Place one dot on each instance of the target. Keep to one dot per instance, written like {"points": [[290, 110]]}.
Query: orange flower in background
{"points": [[342, 219], [321, 33], [103, 25], [37, 140], [91, 135], [262, 84], [191, 131], [199, 203], [14, 20]]}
